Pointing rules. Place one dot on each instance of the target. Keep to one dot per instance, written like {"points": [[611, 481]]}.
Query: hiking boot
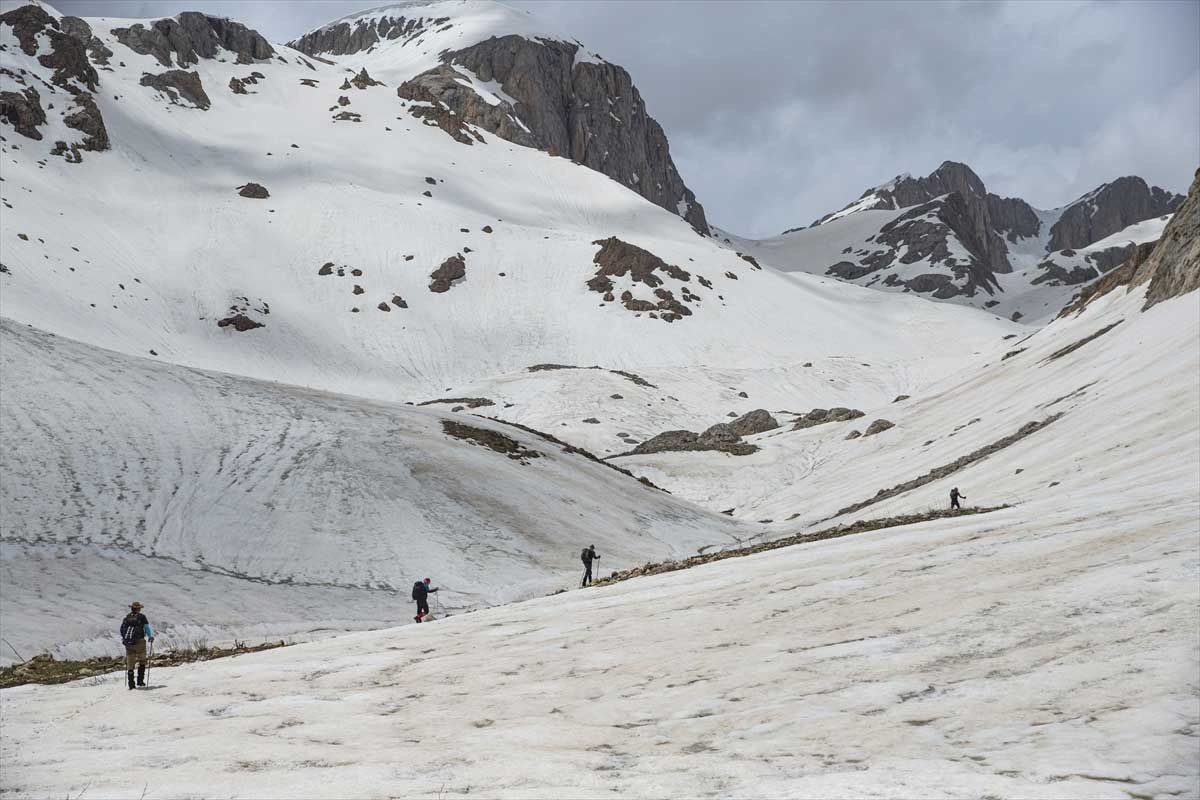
{"points": [[129, 675], [417, 618], [141, 679]]}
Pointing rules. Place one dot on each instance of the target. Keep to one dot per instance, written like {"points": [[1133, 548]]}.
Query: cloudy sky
{"points": [[778, 112]]}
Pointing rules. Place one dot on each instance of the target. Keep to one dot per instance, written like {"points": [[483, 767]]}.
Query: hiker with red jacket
{"points": [[135, 631], [420, 593]]}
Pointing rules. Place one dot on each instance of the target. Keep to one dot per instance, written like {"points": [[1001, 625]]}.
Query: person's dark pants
{"points": [[422, 606], [587, 574], [954, 504]]}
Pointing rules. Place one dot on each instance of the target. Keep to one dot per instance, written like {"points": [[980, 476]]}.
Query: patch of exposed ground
{"points": [[579, 451], [1071, 348], [468, 402], [490, 439], [635, 379], [44, 668], [954, 466], [861, 526]]}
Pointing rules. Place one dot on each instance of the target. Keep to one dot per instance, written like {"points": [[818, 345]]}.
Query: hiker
{"points": [[135, 630], [954, 498], [420, 593], [588, 555]]}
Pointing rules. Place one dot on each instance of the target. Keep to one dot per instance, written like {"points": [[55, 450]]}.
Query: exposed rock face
{"points": [[80, 30], [1108, 209], [68, 58], [88, 121], [257, 191], [344, 39], [590, 112], [176, 83], [429, 108], [192, 36], [1174, 266], [23, 110], [452, 269], [27, 22], [238, 85]]}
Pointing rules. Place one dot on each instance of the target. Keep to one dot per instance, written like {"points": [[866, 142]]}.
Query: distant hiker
{"points": [[135, 630], [955, 497], [588, 555], [420, 593]]}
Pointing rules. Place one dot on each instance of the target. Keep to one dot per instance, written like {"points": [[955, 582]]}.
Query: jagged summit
{"points": [[946, 236]]}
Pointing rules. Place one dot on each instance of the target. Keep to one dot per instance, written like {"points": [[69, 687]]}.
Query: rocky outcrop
{"points": [[363, 80], [589, 112], [191, 36], [617, 258], [239, 322], [68, 58], [175, 83], [27, 22], [1174, 266], [820, 416], [757, 421], [1171, 265], [878, 426], [23, 110], [86, 119], [81, 31], [1109, 209], [256, 191], [238, 85], [452, 269], [344, 38], [429, 108]]}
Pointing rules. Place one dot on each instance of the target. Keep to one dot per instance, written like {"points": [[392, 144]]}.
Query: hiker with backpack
{"points": [[135, 631], [588, 555], [954, 498], [420, 593]]}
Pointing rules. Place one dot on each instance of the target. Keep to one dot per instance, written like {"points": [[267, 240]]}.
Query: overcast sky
{"points": [[778, 112]]}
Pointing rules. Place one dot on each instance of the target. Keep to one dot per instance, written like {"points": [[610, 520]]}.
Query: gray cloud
{"points": [[778, 112]]}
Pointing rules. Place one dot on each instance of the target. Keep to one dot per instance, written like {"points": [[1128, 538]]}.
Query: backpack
{"points": [[418, 590], [131, 630]]}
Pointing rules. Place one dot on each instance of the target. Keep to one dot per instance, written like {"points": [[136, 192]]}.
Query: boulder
{"points": [[878, 426], [257, 191], [23, 110]]}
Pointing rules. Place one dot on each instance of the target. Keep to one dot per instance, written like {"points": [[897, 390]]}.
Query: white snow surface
{"points": [[275, 482], [1043, 651]]}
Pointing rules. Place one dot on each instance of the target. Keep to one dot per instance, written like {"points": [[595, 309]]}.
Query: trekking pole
{"points": [[149, 658]]}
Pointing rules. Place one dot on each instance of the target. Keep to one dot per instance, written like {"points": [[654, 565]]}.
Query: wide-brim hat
{"points": [[135, 605]]}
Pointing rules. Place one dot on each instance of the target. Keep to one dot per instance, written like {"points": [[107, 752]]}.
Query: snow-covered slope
{"points": [[1046, 651], [236, 507], [947, 238], [149, 246]]}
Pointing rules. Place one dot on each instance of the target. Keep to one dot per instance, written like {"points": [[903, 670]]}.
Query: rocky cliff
{"points": [[1108, 209], [552, 97]]}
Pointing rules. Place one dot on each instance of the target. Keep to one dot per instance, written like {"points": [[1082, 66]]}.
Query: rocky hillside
{"points": [[544, 92], [946, 237]]}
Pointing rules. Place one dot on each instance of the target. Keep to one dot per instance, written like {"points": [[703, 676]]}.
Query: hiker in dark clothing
{"points": [[420, 593], [135, 631], [955, 497], [588, 555]]}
